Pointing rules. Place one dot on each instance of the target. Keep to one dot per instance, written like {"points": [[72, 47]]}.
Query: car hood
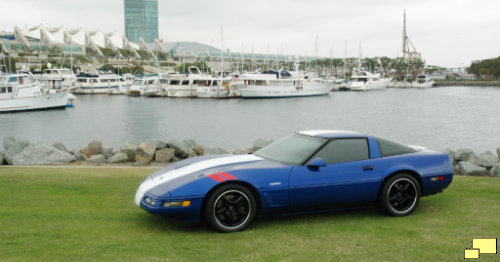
{"points": [[193, 169]]}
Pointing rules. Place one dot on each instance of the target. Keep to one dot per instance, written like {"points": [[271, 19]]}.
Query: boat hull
{"points": [[99, 90], [377, 85], [181, 92], [251, 91], [43, 102]]}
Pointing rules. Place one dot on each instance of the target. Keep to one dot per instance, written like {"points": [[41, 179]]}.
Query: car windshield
{"points": [[293, 149]]}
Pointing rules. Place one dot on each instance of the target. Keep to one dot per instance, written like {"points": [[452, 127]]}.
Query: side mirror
{"points": [[316, 163]]}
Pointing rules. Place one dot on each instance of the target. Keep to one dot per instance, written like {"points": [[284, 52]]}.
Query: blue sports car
{"points": [[307, 171]]}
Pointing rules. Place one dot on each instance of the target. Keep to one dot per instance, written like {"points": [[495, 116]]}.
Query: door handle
{"points": [[367, 168]]}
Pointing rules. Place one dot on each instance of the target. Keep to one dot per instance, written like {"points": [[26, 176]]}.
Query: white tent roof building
{"points": [[45, 38]]}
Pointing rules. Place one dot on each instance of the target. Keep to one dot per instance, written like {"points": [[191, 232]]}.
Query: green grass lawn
{"points": [[68, 214]]}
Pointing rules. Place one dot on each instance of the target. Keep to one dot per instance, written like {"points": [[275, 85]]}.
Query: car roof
{"points": [[331, 133]]}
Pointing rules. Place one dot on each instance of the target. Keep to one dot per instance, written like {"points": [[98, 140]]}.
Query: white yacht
{"points": [[228, 87], [159, 90], [393, 83], [58, 79], [365, 81], [146, 85], [281, 84], [422, 81], [104, 82], [186, 85], [21, 92]]}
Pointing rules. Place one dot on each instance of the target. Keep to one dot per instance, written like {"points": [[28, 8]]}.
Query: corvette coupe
{"points": [[308, 171]]}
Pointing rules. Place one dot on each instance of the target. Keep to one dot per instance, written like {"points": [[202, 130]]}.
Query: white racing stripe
{"points": [[318, 132], [176, 173]]}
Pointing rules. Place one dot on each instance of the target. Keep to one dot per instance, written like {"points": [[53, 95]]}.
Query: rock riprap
{"points": [[469, 169], [118, 158], [487, 159], [94, 148], [97, 159], [41, 154], [145, 152], [129, 150], [165, 155]]}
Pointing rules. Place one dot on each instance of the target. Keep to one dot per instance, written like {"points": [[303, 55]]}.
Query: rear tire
{"points": [[230, 208], [399, 195]]}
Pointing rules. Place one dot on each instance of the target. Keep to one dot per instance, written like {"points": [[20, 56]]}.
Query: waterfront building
{"points": [[141, 20], [44, 41]]}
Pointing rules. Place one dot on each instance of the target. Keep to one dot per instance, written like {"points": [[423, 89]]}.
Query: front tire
{"points": [[399, 195], [230, 208]]}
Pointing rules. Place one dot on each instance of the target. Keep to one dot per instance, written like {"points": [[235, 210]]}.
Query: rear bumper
{"points": [[431, 187]]}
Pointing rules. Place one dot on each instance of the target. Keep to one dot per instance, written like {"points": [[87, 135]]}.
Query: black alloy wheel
{"points": [[230, 208], [399, 195]]}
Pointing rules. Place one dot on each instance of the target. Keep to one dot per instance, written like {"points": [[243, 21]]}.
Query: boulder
{"points": [[94, 148], [260, 143], [181, 149], [80, 157], [60, 146], [164, 155], [41, 154], [107, 152], [129, 150], [451, 153], [495, 171], [13, 147], [118, 158], [465, 154], [487, 159], [191, 153], [145, 152], [469, 169], [162, 144], [199, 150], [97, 159], [498, 153]]}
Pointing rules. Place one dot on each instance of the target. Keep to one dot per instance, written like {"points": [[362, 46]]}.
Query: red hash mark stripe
{"points": [[226, 175], [217, 178]]}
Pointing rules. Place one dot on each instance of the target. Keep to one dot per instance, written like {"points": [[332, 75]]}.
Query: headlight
{"points": [[149, 201], [176, 203]]}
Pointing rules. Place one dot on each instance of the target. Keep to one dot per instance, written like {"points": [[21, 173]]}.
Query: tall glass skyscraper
{"points": [[141, 20]]}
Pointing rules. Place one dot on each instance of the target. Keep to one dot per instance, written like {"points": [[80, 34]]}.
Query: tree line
{"points": [[489, 68]]}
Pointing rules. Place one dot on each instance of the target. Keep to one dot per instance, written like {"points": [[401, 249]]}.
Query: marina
{"points": [[439, 118]]}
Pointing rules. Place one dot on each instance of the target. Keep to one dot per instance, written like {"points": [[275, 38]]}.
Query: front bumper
{"points": [[155, 206]]}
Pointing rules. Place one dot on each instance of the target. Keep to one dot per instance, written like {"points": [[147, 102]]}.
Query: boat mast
{"points": [[345, 59], [409, 51], [222, 61]]}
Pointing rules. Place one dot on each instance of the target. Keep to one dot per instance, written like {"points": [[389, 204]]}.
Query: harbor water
{"points": [[437, 118]]}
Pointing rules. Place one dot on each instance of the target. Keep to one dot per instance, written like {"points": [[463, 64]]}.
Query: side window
{"points": [[344, 150], [389, 148]]}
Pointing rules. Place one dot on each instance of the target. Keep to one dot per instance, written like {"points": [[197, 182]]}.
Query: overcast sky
{"points": [[447, 33]]}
